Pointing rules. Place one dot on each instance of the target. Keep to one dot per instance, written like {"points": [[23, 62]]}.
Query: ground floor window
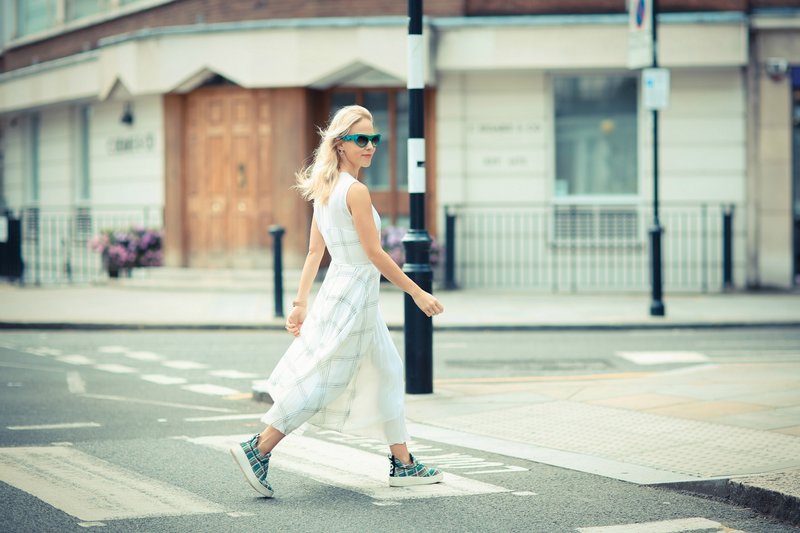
{"points": [[387, 177], [596, 135]]}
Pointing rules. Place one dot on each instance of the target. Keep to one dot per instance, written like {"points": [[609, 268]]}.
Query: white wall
{"points": [[127, 162], [495, 145], [56, 150], [493, 140], [702, 139]]}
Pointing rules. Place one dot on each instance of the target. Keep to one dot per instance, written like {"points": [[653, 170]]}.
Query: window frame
{"points": [[598, 199], [391, 198]]}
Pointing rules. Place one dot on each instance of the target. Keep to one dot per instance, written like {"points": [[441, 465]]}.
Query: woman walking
{"points": [[342, 371]]}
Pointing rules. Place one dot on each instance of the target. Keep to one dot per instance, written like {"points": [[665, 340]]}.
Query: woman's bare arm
{"points": [[360, 205]]}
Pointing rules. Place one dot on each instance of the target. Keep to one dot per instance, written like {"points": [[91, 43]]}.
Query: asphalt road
{"points": [[126, 431]]}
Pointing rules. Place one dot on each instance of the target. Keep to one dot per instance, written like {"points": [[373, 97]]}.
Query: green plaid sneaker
{"points": [[254, 465], [416, 473]]}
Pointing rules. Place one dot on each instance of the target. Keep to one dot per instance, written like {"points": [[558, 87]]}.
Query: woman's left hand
{"points": [[295, 320]]}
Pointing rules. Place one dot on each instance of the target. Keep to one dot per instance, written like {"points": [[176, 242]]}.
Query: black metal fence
{"points": [[56, 241], [587, 247]]}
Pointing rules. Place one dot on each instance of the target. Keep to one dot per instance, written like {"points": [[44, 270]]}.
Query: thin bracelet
{"points": [[298, 303]]}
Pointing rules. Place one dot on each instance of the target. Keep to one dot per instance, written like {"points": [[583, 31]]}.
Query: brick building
{"points": [[195, 114]]}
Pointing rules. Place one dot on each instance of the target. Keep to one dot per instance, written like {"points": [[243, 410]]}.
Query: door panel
{"points": [[221, 162]]}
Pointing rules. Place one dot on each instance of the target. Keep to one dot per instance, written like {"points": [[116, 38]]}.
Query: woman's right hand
{"points": [[295, 320], [428, 303]]}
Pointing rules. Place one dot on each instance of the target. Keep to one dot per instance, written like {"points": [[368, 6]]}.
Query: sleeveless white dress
{"points": [[343, 372]]}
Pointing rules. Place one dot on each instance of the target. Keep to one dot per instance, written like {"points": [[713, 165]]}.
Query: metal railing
{"points": [[55, 241], [587, 247]]}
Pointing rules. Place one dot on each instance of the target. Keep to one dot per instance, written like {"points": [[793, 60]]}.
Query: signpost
{"points": [[418, 327], [643, 52]]}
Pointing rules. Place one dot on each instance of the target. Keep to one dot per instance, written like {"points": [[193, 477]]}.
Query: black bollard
{"points": [[277, 268], [450, 250], [727, 247], [656, 302]]}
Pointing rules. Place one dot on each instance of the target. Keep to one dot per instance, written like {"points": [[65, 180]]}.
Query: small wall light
{"points": [[127, 115]]}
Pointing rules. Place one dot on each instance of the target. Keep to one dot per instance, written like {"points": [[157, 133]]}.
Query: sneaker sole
{"points": [[411, 481], [244, 466]]}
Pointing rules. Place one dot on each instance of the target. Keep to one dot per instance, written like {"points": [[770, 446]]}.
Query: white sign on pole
{"points": [[655, 88], [640, 33]]}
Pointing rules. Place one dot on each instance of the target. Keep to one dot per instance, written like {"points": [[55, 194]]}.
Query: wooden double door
{"points": [[227, 183], [232, 154]]}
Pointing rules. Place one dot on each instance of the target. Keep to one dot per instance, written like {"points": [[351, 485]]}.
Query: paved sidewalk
{"points": [[731, 430], [130, 305]]}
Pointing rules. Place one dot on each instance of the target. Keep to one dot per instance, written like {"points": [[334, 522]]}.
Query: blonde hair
{"points": [[315, 182]]}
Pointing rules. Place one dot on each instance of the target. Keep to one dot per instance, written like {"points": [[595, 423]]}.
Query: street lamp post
{"points": [[418, 327], [656, 302]]}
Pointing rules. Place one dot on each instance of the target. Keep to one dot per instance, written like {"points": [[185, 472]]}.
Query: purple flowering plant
{"points": [[134, 247], [392, 243]]}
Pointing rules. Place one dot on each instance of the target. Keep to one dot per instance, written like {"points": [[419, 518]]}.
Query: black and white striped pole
{"points": [[417, 242]]}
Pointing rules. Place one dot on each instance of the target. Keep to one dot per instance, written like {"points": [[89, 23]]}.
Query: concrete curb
{"points": [[91, 326], [767, 501]]}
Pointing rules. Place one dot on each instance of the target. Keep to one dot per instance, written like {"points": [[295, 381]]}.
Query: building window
{"points": [[35, 15], [387, 176], [33, 159], [76, 9], [596, 136]]}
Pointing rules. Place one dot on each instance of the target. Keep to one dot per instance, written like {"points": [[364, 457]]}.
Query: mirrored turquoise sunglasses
{"points": [[362, 140]]}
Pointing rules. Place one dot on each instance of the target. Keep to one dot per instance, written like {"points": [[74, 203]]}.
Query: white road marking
{"points": [[116, 369], [92, 524], [164, 380], [446, 461], [70, 425], [232, 374], [143, 356], [92, 489], [112, 349], [524, 493], [75, 383], [156, 402], [660, 358], [239, 514], [44, 350], [184, 365], [223, 417], [386, 504], [208, 388], [28, 367], [662, 526], [75, 360], [331, 464]]}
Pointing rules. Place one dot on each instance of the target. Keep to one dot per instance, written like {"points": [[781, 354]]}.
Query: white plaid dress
{"points": [[343, 372]]}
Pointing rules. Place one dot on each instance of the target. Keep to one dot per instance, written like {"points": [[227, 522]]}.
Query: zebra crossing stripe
{"points": [[94, 490], [663, 526], [211, 389], [333, 464], [161, 379], [661, 358], [69, 425]]}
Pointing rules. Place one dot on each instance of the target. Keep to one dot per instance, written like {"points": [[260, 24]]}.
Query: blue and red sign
{"points": [[641, 10]]}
